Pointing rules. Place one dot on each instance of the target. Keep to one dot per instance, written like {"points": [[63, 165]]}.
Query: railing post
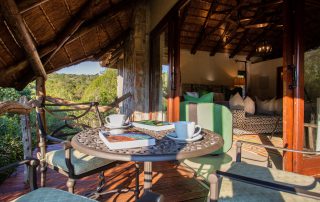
{"points": [[238, 155]]}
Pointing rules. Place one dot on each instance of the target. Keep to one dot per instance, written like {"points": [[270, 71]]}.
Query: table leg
{"points": [[147, 176]]}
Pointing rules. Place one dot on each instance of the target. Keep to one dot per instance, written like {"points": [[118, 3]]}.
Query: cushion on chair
{"points": [[232, 190], [82, 162], [207, 98], [212, 117], [203, 166], [51, 195]]}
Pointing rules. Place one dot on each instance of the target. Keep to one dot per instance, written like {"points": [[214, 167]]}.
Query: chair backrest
{"points": [[210, 116]]}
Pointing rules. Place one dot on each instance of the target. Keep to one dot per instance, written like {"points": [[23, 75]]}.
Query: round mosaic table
{"points": [[166, 149]]}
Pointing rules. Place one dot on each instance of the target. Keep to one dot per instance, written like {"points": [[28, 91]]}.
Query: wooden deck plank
{"points": [[172, 180]]}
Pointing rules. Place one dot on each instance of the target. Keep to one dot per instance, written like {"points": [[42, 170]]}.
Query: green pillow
{"points": [[203, 92], [207, 98]]}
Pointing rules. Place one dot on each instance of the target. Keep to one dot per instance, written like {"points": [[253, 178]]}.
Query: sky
{"points": [[83, 68]]}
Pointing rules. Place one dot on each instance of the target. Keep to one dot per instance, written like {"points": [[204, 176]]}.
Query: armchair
{"points": [[68, 161], [245, 182]]}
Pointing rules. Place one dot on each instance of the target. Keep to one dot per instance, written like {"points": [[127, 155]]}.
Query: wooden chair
{"points": [[245, 182], [68, 161], [53, 195]]}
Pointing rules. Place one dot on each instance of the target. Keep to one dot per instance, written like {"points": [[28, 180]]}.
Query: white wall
{"points": [[220, 70], [263, 78], [204, 69], [158, 9]]}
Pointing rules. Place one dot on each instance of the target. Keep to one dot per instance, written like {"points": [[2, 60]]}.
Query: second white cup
{"points": [[186, 130]]}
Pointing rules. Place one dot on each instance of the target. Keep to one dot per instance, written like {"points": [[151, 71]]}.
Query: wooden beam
{"points": [[111, 44], [14, 107], [44, 50], [287, 82], [15, 22], [224, 20], [25, 6], [103, 17], [240, 46], [298, 99], [71, 27], [203, 28], [105, 108], [220, 41]]}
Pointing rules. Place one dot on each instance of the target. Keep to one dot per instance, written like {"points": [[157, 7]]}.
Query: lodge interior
{"points": [[216, 42]]}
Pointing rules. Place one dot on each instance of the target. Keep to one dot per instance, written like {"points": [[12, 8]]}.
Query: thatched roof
{"points": [[84, 29], [66, 32], [236, 27]]}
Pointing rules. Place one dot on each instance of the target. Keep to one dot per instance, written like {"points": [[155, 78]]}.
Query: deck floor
{"points": [[174, 181]]}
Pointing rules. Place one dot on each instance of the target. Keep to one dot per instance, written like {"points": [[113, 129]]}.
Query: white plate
{"points": [[173, 136], [118, 127]]}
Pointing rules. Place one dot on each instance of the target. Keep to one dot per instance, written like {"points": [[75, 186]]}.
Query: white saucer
{"points": [[117, 127], [174, 137]]}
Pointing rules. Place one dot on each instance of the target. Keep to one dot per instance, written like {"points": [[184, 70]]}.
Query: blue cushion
{"points": [[51, 195]]}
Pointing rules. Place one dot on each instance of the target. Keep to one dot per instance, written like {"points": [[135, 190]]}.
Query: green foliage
{"points": [[103, 89], [76, 88], [68, 86], [312, 73]]}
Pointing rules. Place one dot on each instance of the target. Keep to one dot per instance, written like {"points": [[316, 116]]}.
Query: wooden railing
{"points": [[311, 134]]}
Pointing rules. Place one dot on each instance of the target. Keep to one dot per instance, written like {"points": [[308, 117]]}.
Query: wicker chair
{"points": [[68, 161], [53, 195], [245, 182]]}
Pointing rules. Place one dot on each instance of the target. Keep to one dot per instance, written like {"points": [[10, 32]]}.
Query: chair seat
{"points": [[82, 162], [51, 195], [203, 166], [231, 190]]}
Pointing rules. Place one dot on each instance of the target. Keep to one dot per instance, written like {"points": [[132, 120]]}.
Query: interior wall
{"points": [[263, 78], [158, 9], [202, 68]]}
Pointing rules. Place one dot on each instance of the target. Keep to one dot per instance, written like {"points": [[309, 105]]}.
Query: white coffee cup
{"points": [[116, 120], [186, 130]]}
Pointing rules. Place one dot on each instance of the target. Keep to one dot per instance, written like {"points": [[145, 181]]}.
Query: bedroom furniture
{"points": [[246, 182], [255, 124]]}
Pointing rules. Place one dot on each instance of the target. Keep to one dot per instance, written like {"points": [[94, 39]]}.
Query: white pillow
{"points": [[266, 106], [236, 101], [193, 94], [249, 106], [278, 106]]}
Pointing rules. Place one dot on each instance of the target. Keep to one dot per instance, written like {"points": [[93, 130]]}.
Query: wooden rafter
{"points": [[111, 44], [104, 16], [258, 14], [87, 26], [203, 28], [220, 41], [15, 22], [71, 27], [25, 6], [240, 46], [223, 21]]}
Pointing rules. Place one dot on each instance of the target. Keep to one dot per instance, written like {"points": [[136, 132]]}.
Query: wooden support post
{"points": [[40, 96], [15, 22], [298, 123], [26, 137], [177, 72], [287, 82], [318, 124]]}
